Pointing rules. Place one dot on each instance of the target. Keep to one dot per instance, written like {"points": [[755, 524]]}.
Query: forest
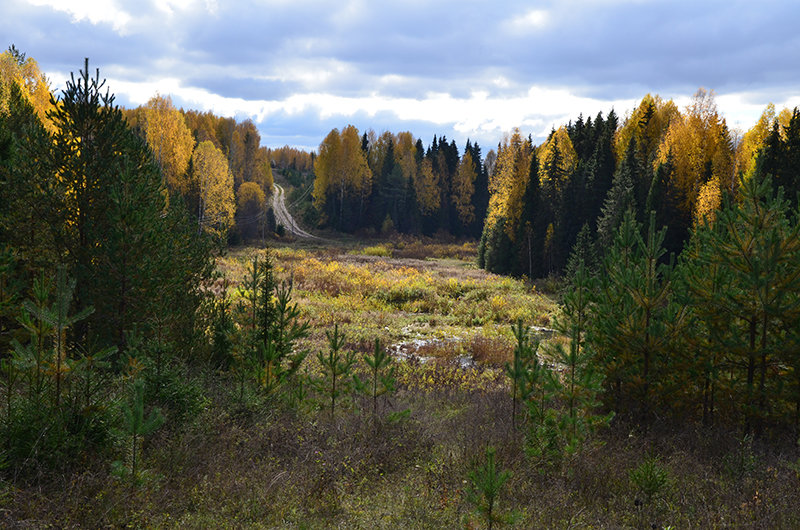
{"points": [[602, 330]]}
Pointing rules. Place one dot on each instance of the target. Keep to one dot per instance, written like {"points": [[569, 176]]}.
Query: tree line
{"points": [[217, 165], [391, 183], [678, 164]]}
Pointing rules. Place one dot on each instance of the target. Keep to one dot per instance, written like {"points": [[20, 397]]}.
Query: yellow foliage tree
{"points": [[701, 149], [263, 170], [170, 139], [25, 73], [405, 152], [325, 166], [426, 185], [342, 172], [251, 203], [378, 151], [463, 188], [508, 180], [708, 202], [754, 139], [215, 182], [647, 125], [557, 160]]}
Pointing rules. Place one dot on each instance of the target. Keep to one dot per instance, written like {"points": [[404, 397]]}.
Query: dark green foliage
{"points": [[337, 369], [556, 203], [27, 211], [381, 376], [745, 268], [581, 382], [635, 317], [56, 394], [620, 199], [495, 250], [520, 369], [222, 331], [104, 217], [272, 326], [486, 484], [137, 425], [651, 480]]}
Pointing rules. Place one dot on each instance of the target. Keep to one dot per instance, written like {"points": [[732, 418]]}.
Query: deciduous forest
{"points": [[602, 330]]}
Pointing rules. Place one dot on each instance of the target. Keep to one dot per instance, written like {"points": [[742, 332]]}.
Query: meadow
{"points": [[260, 463]]}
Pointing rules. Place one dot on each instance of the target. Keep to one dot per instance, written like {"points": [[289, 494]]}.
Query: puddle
{"points": [[410, 350]]}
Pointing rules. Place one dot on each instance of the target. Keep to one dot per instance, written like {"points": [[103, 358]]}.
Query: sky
{"points": [[465, 69]]}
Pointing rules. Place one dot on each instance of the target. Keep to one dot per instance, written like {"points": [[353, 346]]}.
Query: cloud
{"points": [[106, 12], [530, 20], [465, 68]]}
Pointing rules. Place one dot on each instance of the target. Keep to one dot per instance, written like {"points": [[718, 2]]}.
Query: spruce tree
{"points": [[619, 200]]}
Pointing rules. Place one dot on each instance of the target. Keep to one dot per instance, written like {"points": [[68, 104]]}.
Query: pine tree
{"points": [[126, 249], [520, 369], [753, 250], [581, 383], [336, 368], [486, 484], [381, 376], [635, 316], [138, 425]]}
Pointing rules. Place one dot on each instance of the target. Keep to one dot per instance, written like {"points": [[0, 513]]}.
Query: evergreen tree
{"points": [[486, 483], [619, 201], [752, 250], [519, 370], [581, 383], [381, 376], [635, 317], [336, 368], [138, 425], [108, 218], [532, 224]]}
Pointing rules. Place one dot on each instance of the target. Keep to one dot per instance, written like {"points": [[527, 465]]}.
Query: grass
{"points": [[397, 299], [263, 465]]}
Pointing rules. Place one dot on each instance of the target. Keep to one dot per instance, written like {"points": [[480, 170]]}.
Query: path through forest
{"points": [[283, 217]]}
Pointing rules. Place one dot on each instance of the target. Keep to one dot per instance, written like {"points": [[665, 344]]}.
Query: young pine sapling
{"points": [[337, 367]]}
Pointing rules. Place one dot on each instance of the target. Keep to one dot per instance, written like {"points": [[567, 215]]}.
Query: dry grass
{"points": [[269, 467], [263, 465]]}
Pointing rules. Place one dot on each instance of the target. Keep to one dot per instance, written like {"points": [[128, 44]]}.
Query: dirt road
{"points": [[283, 217]]}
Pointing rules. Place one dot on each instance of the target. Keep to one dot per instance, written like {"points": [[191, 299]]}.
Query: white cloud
{"points": [[170, 7], [531, 20], [106, 12], [476, 116]]}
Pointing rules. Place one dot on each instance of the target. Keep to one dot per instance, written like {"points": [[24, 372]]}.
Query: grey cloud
{"points": [[602, 50]]}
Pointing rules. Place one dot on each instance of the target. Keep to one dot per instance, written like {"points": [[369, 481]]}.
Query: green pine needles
{"points": [[272, 327], [337, 368], [523, 367], [485, 485], [137, 425], [381, 376]]}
